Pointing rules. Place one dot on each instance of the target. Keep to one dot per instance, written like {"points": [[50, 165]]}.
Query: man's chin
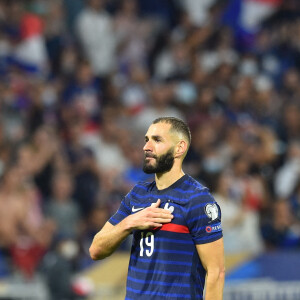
{"points": [[148, 169]]}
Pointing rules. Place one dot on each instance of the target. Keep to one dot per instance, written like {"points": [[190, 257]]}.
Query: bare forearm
{"points": [[106, 242], [214, 286]]}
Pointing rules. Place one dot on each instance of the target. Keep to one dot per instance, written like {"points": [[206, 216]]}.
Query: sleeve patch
{"points": [[212, 211], [213, 228]]}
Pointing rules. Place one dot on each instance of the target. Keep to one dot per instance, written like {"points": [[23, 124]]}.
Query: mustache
{"points": [[149, 155]]}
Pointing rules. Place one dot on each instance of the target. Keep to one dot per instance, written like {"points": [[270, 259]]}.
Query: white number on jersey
{"points": [[148, 241]]}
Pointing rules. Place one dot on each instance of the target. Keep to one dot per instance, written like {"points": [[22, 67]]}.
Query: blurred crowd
{"points": [[81, 81]]}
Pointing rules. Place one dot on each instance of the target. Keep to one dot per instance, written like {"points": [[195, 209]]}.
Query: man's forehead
{"points": [[159, 129]]}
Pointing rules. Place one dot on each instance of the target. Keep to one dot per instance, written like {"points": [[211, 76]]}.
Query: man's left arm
{"points": [[212, 258]]}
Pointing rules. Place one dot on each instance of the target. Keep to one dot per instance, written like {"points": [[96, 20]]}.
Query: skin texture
{"points": [[212, 258], [159, 139]]}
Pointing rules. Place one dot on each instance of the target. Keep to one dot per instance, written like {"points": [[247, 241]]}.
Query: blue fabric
{"points": [[164, 262]]}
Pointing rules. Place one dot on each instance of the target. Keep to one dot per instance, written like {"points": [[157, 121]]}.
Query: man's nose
{"points": [[147, 146]]}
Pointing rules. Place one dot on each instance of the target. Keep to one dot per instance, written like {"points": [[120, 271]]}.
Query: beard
{"points": [[164, 163]]}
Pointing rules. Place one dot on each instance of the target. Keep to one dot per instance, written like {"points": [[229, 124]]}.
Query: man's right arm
{"points": [[109, 238]]}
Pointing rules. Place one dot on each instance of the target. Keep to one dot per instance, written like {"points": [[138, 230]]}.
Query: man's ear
{"points": [[180, 149]]}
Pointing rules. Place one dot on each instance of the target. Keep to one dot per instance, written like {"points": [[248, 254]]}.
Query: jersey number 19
{"points": [[147, 240]]}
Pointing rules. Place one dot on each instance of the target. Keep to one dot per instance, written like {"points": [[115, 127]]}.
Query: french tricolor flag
{"points": [[246, 16], [31, 53]]}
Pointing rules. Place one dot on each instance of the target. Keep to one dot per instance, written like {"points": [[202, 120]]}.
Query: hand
{"points": [[150, 217]]}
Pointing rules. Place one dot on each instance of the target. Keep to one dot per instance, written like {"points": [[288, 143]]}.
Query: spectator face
{"points": [[98, 217], [13, 178], [180, 52], [224, 184], [294, 150], [15, 11], [68, 61], [241, 166], [42, 137], [139, 74], [291, 80], [84, 74], [282, 214], [205, 137], [161, 95], [96, 4], [135, 156], [62, 187], [25, 158], [129, 7], [292, 119], [206, 98]]}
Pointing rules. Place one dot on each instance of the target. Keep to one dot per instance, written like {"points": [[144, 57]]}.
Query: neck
{"points": [[164, 180]]}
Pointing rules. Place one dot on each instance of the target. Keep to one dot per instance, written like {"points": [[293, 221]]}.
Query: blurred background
{"points": [[81, 81]]}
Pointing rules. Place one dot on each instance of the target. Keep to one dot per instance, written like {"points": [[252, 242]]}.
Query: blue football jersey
{"points": [[164, 262]]}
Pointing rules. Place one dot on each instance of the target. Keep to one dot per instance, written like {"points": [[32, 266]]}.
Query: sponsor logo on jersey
{"points": [[136, 209], [214, 228]]}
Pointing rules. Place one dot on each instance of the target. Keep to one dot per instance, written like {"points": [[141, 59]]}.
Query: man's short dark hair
{"points": [[176, 125]]}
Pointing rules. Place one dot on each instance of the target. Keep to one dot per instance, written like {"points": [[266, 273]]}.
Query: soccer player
{"points": [[177, 246]]}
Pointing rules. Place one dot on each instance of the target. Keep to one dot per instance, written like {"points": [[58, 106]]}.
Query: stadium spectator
{"points": [[61, 208], [281, 231], [25, 232], [241, 225], [161, 105], [97, 34]]}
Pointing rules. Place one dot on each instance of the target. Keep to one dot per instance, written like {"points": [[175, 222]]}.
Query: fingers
{"points": [[150, 220], [162, 220], [157, 222], [157, 213], [153, 225], [163, 215], [156, 204]]}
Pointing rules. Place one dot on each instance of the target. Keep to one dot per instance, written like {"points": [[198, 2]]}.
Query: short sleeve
{"points": [[203, 218], [123, 211]]}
